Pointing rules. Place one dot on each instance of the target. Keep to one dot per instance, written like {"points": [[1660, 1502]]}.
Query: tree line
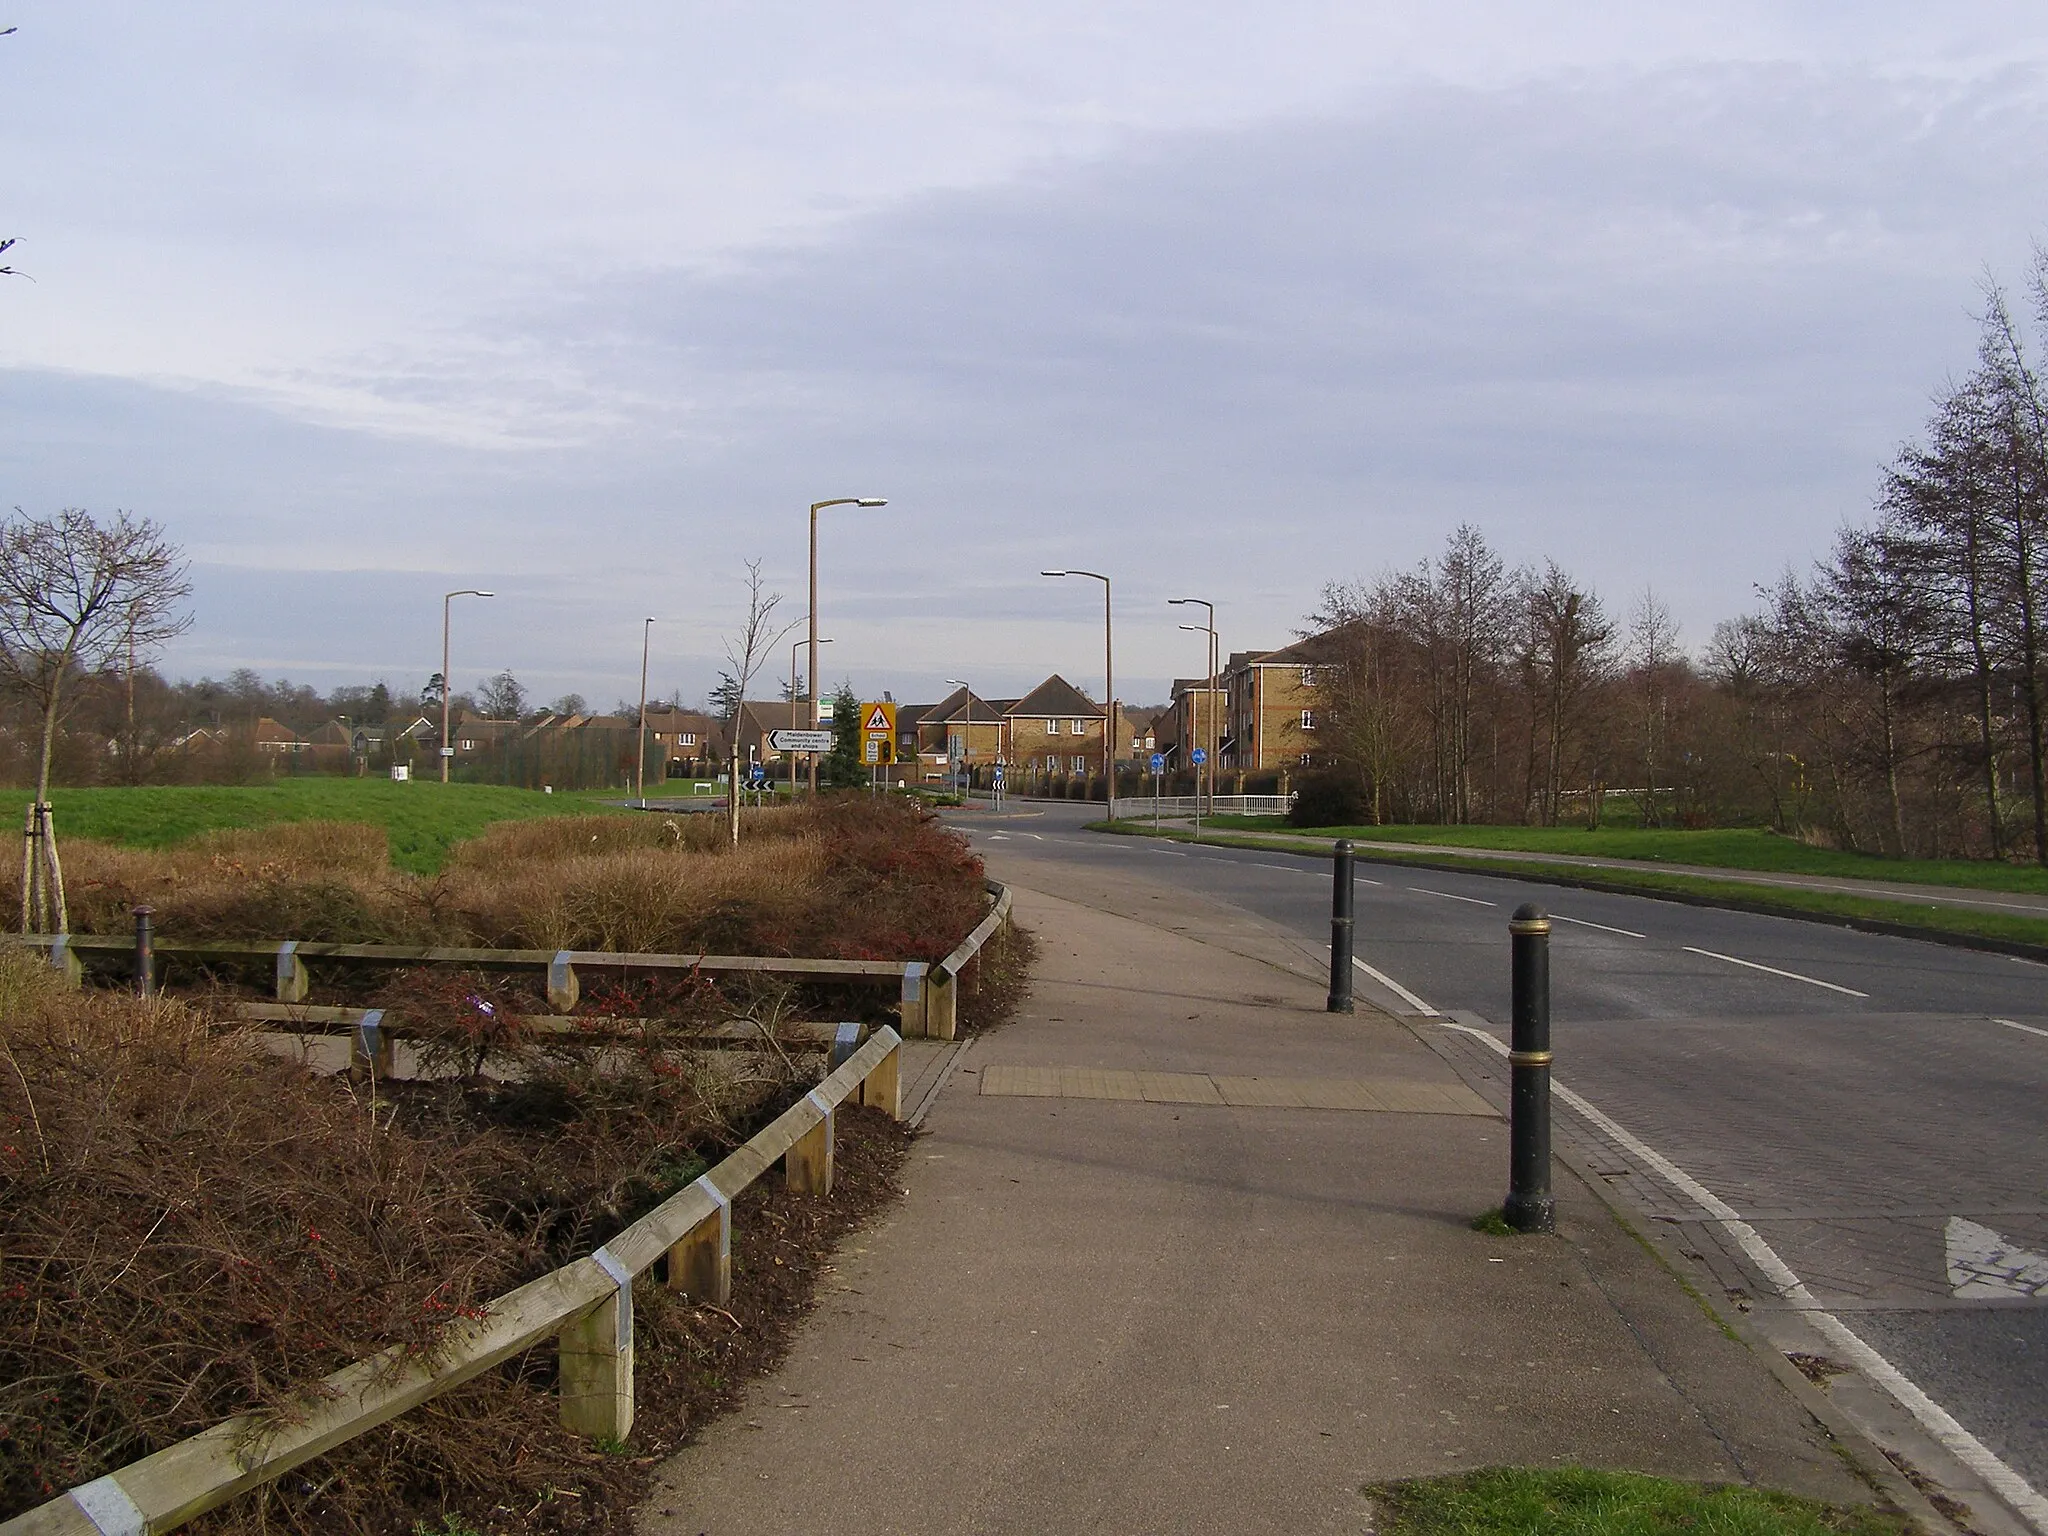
{"points": [[1889, 700]]}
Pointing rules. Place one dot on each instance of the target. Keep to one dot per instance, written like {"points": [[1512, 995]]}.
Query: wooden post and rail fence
{"points": [[585, 1306]]}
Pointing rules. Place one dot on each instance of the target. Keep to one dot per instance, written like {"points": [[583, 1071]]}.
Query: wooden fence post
{"points": [[808, 1162], [563, 987], [292, 981], [941, 1004], [882, 1088], [596, 1361], [700, 1261], [912, 1009]]}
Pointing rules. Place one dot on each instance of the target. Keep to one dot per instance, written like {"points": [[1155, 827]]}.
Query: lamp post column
{"points": [[447, 746], [640, 761], [812, 619]]}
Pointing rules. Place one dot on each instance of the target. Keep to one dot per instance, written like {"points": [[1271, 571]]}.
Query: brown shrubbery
{"points": [[193, 1225], [847, 877]]}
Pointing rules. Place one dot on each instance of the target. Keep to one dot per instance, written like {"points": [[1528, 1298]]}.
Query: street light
{"points": [[447, 746], [1109, 690], [792, 701], [816, 507], [640, 762], [1208, 699]]}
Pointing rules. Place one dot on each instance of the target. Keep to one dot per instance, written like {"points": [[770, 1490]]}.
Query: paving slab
{"points": [[1129, 1311]]}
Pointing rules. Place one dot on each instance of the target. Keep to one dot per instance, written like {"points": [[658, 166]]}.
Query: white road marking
{"points": [[1285, 869], [1580, 922], [1397, 989], [1937, 1420], [1772, 970], [2009, 1024], [1452, 896], [1036, 836], [1982, 1263]]}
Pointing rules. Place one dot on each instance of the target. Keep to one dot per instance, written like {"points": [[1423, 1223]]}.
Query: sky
{"points": [[586, 305]]}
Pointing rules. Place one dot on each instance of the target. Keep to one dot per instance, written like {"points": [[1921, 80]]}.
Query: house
{"points": [[1054, 729], [961, 729], [277, 740], [1272, 705], [691, 741], [1195, 718]]}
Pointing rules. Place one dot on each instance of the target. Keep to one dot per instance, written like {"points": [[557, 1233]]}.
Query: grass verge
{"points": [[1747, 848], [1577, 1501], [421, 820], [2001, 931]]}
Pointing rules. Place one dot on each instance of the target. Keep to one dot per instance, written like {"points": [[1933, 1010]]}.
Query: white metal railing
{"points": [[1185, 805]]}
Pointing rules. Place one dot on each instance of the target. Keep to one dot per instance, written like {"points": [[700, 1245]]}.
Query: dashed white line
{"points": [[1937, 1420], [1397, 989], [1580, 922], [1424, 890], [2028, 1028], [1772, 970]]}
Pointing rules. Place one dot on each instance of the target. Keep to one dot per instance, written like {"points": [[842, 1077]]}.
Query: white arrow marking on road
{"points": [[1981, 1263], [1772, 970]]}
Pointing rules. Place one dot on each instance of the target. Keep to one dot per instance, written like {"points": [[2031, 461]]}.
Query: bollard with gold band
{"points": [[1528, 1207], [1340, 930]]}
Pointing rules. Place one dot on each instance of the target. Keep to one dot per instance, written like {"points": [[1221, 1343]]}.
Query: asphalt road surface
{"points": [[1872, 1106]]}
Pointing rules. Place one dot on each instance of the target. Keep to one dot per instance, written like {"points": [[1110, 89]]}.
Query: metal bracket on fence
{"points": [[818, 1103], [623, 1277], [370, 1037], [107, 1505], [63, 957], [292, 983], [724, 1214], [845, 1041], [913, 981]]}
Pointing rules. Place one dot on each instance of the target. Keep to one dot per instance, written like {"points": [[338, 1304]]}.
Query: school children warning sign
{"points": [[878, 732]]}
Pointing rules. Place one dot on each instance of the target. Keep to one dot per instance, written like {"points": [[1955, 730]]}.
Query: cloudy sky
{"points": [[586, 304]]}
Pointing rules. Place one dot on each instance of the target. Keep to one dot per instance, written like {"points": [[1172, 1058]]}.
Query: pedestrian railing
{"points": [[1188, 805], [586, 1307], [928, 995]]}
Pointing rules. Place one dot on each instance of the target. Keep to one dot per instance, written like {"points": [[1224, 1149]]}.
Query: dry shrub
{"points": [[900, 885], [193, 1226], [642, 900], [310, 880]]}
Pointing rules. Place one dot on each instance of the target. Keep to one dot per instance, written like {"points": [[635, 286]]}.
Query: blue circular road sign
{"points": [[1159, 762], [1199, 756]]}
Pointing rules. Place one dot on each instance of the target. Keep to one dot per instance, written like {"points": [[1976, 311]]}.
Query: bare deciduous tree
{"points": [[745, 654], [76, 597]]}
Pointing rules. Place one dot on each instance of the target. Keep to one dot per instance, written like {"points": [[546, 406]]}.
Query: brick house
{"points": [[1271, 703]]}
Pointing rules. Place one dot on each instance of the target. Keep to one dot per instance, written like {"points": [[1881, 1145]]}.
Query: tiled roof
{"points": [[1055, 697]]}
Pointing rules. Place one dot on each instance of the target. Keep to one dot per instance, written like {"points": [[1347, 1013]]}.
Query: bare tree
{"points": [[76, 597], [501, 697], [1652, 650], [745, 654]]}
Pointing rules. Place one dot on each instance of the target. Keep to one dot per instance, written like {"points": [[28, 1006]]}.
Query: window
{"points": [[1308, 759], [1080, 763], [685, 738], [1308, 677], [1308, 719], [1073, 727]]}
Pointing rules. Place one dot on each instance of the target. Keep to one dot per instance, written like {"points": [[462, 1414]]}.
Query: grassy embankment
{"points": [[1575, 1501], [422, 820], [1735, 850]]}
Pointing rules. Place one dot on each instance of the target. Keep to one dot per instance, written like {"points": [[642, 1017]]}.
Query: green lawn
{"points": [[1573, 1501], [1722, 848], [423, 819]]}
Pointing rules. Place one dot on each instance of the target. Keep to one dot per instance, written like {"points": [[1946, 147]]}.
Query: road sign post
{"points": [[1158, 766], [1198, 757]]}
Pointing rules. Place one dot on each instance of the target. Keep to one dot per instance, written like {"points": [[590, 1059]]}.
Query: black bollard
{"points": [[145, 954], [1529, 1207], [1341, 930]]}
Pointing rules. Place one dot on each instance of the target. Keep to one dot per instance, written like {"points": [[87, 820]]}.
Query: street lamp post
{"points": [[962, 684], [792, 700], [816, 507], [1109, 690], [1208, 699], [640, 761], [447, 746]]}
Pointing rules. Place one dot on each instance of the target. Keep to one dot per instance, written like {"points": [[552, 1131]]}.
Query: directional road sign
{"points": [[800, 741], [1159, 762], [757, 773], [1199, 756]]}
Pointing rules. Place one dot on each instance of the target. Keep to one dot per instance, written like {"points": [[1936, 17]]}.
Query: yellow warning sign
{"points": [[878, 719]]}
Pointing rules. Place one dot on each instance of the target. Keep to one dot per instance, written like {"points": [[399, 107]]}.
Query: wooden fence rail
{"points": [[586, 1306], [928, 1000]]}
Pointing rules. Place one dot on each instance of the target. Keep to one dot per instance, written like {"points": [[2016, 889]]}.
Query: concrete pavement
{"points": [[1108, 1304]]}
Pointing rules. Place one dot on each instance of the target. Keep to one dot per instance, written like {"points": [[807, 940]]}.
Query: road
{"points": [[1871, 1106]]}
